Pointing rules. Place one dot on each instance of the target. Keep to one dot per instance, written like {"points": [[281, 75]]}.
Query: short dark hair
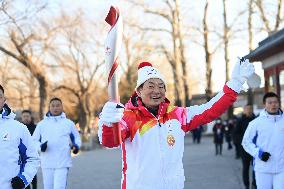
{"points": [[269, 94], [55, 99], [2, 88], [27, 111]]}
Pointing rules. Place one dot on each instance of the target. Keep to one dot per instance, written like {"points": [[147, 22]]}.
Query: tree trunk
{"points": [[226, 39], [226, 49], [178, 101], [82, 116], [250, 99], [181, 48], [208, 56], [42, 94]]}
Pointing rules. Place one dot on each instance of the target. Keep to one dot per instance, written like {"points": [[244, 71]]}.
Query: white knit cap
{"points": [[147, 71]]}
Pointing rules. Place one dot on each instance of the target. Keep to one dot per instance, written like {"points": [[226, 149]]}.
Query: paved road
{"points": [[100, 169]]}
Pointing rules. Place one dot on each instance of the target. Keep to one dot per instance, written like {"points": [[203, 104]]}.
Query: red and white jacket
{"points": [[152, 147]]}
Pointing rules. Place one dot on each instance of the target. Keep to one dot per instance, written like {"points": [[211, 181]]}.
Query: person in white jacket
{"points": [[56, 137], [264, 140], [153, 130], [19, 158]]}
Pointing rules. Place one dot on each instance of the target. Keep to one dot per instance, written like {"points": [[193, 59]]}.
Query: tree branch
{"points": [[76, 93]]}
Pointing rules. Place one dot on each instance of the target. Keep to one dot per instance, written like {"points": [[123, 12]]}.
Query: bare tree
{"points": [[135, 50], [181, 48], [209, 49], [208, 55], [267, 17], [278, 17], [5, 72], [18, 81], [250, 99], [176, 54], [77, 62], [226, 39], [18, 46]]}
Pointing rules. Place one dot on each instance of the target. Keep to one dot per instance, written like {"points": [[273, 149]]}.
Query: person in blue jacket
{"points": [[56, 136], [19, 159]]}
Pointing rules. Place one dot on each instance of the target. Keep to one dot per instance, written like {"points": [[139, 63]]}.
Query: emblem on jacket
{"points": [[6, 136], [171, 140]]}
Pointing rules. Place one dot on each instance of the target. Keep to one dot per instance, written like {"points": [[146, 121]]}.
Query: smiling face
{"points": [[152, 93]]}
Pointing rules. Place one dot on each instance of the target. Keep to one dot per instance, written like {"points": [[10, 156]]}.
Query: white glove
{"points": [[242, 70], [112, 112]]}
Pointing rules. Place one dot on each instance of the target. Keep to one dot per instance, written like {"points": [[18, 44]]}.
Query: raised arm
{"points": [[205, 113]]}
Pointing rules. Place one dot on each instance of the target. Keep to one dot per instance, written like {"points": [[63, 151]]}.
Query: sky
{"points": [[98, 9]]}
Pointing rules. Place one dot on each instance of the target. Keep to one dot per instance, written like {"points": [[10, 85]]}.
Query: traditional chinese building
{"points": [[271, 53]]}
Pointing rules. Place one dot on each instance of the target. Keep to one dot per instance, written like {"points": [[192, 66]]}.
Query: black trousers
{"points": [[237, 149], [247, 162], [218, 148], [33, 183], [196, 138]]}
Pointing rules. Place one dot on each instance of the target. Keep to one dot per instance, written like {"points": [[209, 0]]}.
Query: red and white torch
{"points": [[112, 49]]}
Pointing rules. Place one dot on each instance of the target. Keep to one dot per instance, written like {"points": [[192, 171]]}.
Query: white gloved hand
{"points": [[112, 112], [240, 74], [242, 70]]}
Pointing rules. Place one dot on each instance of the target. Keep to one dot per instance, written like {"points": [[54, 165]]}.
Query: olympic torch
{"points": [[112, 49]]}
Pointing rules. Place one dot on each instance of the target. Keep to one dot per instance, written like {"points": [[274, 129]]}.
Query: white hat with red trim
{"points": [[147, 71]]}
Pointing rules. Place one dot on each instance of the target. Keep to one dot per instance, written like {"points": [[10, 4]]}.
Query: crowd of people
{"points": [[150, 132], [233, 130], [258, 142]]}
